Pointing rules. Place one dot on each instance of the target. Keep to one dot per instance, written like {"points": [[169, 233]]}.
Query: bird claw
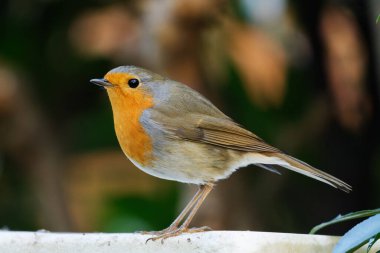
{"points": [[171, 232], [157, 233]]}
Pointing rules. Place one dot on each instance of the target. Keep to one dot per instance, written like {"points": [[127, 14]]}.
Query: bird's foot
{"points": [[171, 232], [161, 232]]}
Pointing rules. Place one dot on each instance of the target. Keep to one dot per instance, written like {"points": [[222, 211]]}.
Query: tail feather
{"points": [[268, 167], [296, 165]]}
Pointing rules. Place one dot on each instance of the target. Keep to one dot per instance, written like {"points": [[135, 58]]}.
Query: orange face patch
{"points": [[119, 78], [127, 106]]}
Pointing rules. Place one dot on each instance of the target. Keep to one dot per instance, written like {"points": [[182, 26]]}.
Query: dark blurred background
{"points": [[303, 75]]}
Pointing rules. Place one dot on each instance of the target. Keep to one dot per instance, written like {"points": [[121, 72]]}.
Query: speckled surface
{"points": [[214, 241]]}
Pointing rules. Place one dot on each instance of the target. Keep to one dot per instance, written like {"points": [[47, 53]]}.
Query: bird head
{"points": [[128, 80]]}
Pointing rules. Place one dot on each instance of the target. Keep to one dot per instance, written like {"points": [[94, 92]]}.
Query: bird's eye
{"points": [[133, 83]]}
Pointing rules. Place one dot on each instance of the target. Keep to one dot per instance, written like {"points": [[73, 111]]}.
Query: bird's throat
{"points": [[127, 109]]}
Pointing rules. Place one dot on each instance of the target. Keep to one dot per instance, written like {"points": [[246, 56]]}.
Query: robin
{"points": [[170, 131]]}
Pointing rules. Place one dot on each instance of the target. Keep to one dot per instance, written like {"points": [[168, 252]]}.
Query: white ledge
{"points": [[213, 241]]}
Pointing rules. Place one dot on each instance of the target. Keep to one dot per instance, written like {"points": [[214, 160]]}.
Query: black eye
{"points": [[133, 83]]}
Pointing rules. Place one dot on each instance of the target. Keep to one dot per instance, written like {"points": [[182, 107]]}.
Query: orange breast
{"points": [[127, 109]]}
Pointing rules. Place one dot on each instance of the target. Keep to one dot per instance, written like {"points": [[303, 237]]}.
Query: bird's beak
{"points": [[101, 82]]}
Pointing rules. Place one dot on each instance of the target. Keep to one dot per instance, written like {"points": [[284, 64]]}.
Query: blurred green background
{"points": [[303, 75]]}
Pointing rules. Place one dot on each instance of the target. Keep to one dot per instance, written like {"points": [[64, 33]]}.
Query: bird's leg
{"points": [[189, 207], [205, 190], [180, 217]]}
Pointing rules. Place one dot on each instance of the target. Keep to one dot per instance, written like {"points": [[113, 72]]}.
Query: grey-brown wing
{"points": [[184, 113], [219, 132]]}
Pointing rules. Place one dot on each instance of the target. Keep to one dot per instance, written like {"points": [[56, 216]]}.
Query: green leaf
{"points": [[359, 235], [372, 241], [346, 217]]}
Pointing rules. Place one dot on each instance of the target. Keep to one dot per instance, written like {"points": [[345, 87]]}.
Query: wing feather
{"points": [[223, 133]]}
